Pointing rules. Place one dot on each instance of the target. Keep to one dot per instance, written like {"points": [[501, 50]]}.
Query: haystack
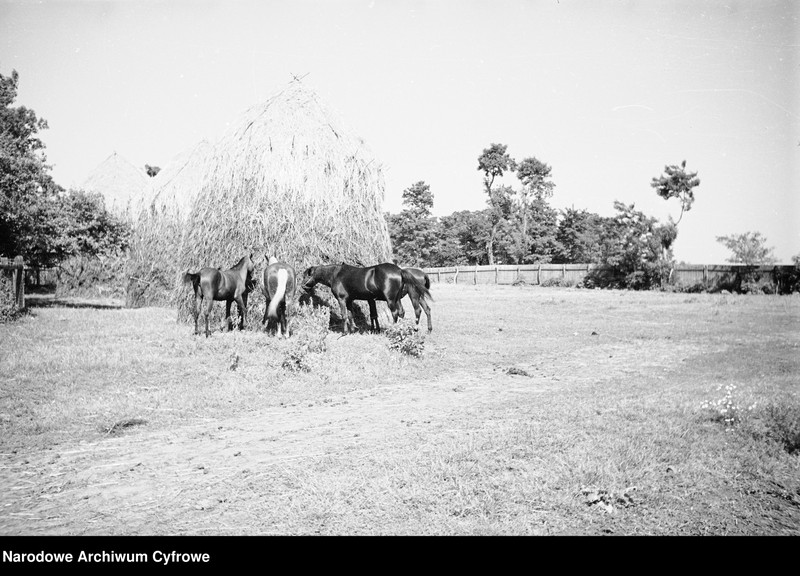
{"points": [[177, 184], [288, 179], [158, 223], [120, 182]]}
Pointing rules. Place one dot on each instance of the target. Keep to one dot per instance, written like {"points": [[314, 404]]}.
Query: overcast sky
{"points": [[606, 92]]}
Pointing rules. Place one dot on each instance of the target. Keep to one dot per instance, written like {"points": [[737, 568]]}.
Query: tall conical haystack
{"points": [[288, 179], [158, 227], [121, 183]]}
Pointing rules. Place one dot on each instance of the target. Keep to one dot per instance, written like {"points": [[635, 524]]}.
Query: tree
{"points": [[83, 226], [152, 170], [537, 187], [676, 182], [637, 247], [418, 199], [413, 232], [28, 194], [494, 162], [748, 248], [578, 236]]}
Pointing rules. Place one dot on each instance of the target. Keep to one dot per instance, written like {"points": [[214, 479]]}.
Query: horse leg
{"points": [[243, 312], [198, 303], [373, 316], [228, 315], [419, 305], [427, 313], [208, 306], [282, 318], [241, 302], [345, 306]]}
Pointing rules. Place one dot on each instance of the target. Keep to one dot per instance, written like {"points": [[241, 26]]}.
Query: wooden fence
{"points": [[571, 274], [15, 271]]}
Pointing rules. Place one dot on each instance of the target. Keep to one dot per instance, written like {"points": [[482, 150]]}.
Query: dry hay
{"points": [[288, 179], [158, 227], [121, 183]]}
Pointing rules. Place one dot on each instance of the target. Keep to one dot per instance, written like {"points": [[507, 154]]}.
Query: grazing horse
{"points": [[279, 288], [216, 284], [385, 282], [419, 304]]}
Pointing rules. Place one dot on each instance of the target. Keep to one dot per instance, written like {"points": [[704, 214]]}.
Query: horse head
{"points": [[309, 279]]}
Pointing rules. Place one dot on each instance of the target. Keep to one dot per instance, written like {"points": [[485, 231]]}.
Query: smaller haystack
{"points": [[290, 180], [177, 184], [121, 183]]}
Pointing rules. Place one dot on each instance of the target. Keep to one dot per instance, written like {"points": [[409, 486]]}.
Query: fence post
{"points": [[439, 276], [18, 282], [455, 276], [475, 275], [495, 274], [539, 274], [563, 271]]}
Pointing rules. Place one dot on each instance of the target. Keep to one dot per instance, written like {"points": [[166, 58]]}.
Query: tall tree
{"points": [[536, 186], [494, 162], [28, 194], [413, 231], [748, 248], [676, 182]]}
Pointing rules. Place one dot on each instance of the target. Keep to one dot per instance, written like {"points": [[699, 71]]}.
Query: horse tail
{"points": [[193, 279], [427, 282], [283, 276], [416, 289]]}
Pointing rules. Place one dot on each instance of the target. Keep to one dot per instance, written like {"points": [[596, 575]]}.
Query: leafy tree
{"points": [[151, 170], [463, 238], [676, 182], [83, 226], [413, 232], [637, 246], [578, 237], [494, 162], [749, 248], [418, 199], [536, 187], [28, 194]]}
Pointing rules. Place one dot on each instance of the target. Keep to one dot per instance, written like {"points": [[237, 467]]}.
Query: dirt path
{"points": [[117, 485]]}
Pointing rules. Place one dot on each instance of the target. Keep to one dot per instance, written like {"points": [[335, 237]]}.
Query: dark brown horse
{"points": [[386, 282], [279, 288], [419, 304], [216, 284]]}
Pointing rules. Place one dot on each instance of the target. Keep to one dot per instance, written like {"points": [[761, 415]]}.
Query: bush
{"points": [[309, 326], [92, 276], [779, 421], [405, 338], [8, 304], [558, 282]]}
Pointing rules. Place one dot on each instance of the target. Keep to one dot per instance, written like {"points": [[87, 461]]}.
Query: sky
{"points": [[605, 92]]}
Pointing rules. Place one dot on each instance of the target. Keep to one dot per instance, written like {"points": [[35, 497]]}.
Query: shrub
{"points": [[8, 304], [779, 421], [405, 338], [309, 327]]}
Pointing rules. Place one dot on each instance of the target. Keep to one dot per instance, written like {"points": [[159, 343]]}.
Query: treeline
{"points": [[519, 226]]}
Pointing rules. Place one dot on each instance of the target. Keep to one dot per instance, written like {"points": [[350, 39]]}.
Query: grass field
{"points": [[531, 411]]}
